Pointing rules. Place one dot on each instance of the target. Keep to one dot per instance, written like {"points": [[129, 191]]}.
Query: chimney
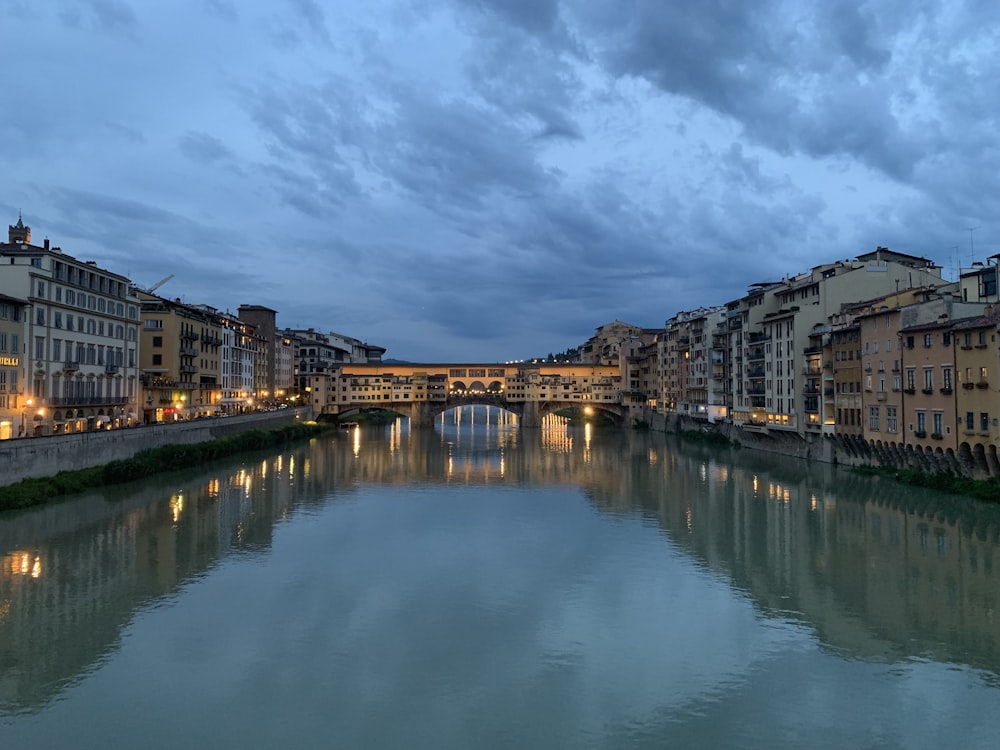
{"points": [[46, 243]]}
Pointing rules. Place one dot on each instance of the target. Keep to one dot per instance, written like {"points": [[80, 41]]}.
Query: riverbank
{"points": [[37, 490], [944, 472], [27, 458]]}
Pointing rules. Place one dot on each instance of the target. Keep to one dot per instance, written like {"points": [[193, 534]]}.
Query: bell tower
{"points": [[18, 234]]}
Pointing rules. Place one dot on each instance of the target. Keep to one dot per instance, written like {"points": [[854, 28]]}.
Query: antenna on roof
{"points": [[972, 247]]}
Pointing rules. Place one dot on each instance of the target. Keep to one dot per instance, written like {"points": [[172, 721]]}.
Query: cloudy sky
{"points": [[493, 179]]}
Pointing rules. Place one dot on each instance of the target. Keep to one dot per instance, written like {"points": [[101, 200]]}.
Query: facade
{"points": [[693, 388], [977, 396], [181, 359], [779, 320], [381, 386], [14, 405], [264, 322], [242, 362], [80, 340]]}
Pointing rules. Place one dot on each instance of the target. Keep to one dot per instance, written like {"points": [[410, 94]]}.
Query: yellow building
{"points": [[977, 397], [180, 359]]}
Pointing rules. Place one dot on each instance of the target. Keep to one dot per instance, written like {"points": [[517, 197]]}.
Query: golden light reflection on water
{"points": [[176, 506], [21, 563], [356, 434]]}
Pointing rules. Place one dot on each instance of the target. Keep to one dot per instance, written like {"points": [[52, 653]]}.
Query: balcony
{"points": [[110, 369], [927, 391], [947, 390], [982, 384], [188, 369], [189, 336], [71, 365], [88, 401], [189, 351], [881, 395]]}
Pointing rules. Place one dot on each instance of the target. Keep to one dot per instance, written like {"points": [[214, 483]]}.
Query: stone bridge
{"points": [[422, 392]]}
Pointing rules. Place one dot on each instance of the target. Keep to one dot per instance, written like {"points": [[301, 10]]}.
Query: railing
{"points": [[71, 364], [110, 369], [88, 401], [189, 335]]}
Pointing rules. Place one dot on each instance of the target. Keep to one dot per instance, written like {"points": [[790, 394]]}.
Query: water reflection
{"points": [[876, 571]]}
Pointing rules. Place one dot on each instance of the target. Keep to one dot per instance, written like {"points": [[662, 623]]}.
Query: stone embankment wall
{"points": [[836, 449], [44, 456]]}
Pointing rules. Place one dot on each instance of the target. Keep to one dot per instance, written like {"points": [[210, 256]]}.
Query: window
{"points": [[984, 421], [946, 338], [873, 418], [946, 378], [938, 423], [970, 421], [928, 378], [921, 421], [57, 350], [157, 359], [911, 378], [983, 372], [891, 422], [982, 338], [39, 348], [928, 340], [40, 316]]}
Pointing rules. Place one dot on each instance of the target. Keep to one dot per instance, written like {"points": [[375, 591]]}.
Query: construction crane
{"points": [[158, 284]]}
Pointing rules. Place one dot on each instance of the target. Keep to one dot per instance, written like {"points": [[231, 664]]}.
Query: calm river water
{"points": [[476, 586]]}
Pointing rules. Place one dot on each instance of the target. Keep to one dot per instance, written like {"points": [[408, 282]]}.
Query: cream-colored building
{"points": [[779, 320], [80, 340]]}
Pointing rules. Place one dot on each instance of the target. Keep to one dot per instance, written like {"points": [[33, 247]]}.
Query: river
{"points": [[479, 586]]}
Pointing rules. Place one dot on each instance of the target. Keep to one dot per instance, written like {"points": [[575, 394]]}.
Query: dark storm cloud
{"points": [[500, 170], [100, 15], [452, 153], [202, 147]]}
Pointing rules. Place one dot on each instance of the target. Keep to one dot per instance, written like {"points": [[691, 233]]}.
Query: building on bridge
{"points": [[422, 391], [317, 354]]}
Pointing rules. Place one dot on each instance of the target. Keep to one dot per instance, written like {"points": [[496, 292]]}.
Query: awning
{"points": [[102, 418]]}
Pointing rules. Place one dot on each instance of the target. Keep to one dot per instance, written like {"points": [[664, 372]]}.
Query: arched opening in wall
{"points": [[992, 463], [979, 456], [495, 387], [458, 387], [477, 386]]}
